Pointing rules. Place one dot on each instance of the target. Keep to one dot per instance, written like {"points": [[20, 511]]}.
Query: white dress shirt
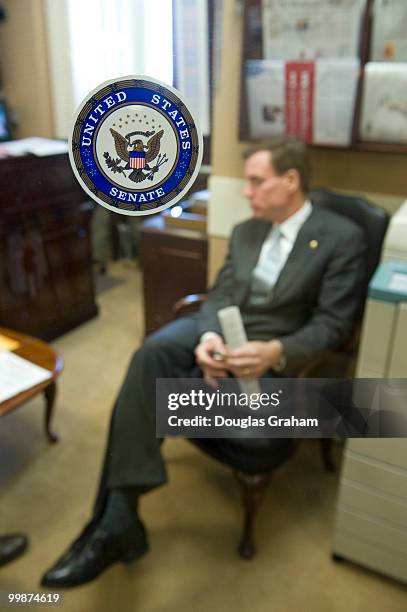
{"points": [[289, 230]]}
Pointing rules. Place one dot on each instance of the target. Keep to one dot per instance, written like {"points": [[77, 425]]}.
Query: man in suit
{"points": [[296, 272]]}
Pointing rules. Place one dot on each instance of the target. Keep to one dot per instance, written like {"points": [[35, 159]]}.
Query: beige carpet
{"points": [[194, 522]]}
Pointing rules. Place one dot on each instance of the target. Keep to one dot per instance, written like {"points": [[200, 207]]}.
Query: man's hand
{"points": [[206, 357], [254, 358]]}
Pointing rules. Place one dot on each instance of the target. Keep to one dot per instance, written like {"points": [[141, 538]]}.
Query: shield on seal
{"points": [[137, 159]]}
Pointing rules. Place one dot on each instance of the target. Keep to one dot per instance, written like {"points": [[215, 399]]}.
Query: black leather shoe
{"points": [[12, 546], [91, 553]]}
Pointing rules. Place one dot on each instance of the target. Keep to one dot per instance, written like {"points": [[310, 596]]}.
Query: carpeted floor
{"points": [[194, 522], [106, 282]]}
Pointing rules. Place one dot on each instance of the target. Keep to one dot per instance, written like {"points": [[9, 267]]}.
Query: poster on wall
{"points": [[299, 99], [265, 82], [384, 103], [311, 29], [389, 40], [336, 83], [313, 100]]}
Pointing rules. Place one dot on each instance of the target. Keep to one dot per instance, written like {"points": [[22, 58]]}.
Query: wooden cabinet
{"points": [[45, 252], [174, 263]]}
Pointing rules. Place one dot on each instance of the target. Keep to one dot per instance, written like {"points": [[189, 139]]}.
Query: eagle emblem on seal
{"points": [[135, 156]]}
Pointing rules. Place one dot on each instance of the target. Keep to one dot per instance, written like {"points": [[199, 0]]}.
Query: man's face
{"points": [[269, 194]]}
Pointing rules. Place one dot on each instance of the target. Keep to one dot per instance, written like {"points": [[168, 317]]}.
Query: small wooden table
{"points": [[41, 354]]}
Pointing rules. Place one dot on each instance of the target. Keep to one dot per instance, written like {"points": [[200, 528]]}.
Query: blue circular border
{"points": [[138, 90], [136, 95]]}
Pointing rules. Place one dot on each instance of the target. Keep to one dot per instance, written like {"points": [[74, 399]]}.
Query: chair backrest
{"points": [[371, 218]]}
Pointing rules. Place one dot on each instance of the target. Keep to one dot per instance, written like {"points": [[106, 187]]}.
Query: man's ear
{"points": [[292, 179]]}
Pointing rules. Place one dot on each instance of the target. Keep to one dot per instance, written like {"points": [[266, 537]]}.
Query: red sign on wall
{"points": [[299, 99]]}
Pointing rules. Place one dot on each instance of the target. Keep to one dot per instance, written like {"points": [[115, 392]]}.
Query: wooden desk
{"points": [[174, 263], [46, 280], [43, 355]]}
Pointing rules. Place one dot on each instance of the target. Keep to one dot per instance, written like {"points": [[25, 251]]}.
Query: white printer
{"points": [[395, 247], [371, 518]]}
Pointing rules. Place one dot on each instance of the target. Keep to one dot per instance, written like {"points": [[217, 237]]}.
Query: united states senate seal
{"points": [[135, 146]]}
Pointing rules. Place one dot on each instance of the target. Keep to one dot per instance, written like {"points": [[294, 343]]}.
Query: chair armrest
{"points": [[334, 363], [188, 304], [330, 364]]}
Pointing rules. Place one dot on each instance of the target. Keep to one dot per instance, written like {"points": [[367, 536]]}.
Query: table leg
{"points": [[50, 394]]}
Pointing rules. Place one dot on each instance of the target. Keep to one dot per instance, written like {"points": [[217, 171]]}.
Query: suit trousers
{"points": [[133, 454]]}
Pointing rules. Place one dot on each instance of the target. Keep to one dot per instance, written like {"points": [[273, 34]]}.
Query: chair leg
{"points": [[253, 489], [326, 454]]}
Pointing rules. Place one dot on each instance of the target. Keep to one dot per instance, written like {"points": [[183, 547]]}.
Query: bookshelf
{"points": [[252, 49]]}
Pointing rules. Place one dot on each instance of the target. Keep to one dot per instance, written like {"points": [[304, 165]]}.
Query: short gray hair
{"points": [[287, 153]]}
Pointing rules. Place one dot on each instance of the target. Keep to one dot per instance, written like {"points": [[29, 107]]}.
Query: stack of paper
{"points": [[35, 146], [18, 375], [8, 344]]}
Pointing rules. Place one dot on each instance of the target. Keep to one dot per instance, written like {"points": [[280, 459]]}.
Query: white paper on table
{"points": [[389, 38], [384, 104], [311, 29], [265, 82], [34, 145], [18, 374], [334, 100]]}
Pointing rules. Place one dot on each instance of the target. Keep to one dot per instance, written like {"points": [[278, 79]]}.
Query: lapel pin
{"points": [[313, 244]]}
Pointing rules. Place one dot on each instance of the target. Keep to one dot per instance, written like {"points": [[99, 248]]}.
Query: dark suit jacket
{"points": [[317, 294]]}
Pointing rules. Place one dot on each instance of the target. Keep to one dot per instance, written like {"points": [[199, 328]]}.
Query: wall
{"points": [[382, 177], [24, 65]]}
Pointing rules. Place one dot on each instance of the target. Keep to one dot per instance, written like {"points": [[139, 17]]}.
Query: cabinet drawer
{"points": [[370, 555], [375, 504], [376, 531], [389, 450], [386, 478]]}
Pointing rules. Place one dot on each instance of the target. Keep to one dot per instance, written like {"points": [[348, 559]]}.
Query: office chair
{"points": [[254, 460]]}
